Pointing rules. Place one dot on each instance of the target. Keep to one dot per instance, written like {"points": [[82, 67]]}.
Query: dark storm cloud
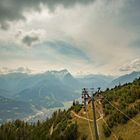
{"points": [[11, 10], [130, 14], [29, 40]]}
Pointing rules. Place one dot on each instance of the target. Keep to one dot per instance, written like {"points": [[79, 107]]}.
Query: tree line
{"points": [[58, 127]]}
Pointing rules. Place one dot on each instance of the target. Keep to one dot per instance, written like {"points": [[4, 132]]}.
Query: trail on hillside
{"points": [[51, 129], [87, 119], [81, 117]]}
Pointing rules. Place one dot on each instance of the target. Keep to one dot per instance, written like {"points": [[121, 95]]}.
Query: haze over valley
{"points": [[24, 94]]}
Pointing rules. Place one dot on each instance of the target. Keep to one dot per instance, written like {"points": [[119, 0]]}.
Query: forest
{"points": [[58, 127]]}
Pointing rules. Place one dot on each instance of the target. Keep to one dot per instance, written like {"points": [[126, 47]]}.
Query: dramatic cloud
{"points": [[11, 10], [29, 40], [131, 12], [134, 65], [94, 36], [5, 70]]}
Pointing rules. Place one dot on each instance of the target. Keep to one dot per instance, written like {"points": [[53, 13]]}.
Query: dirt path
{"points": [[51, 130], [81, 117]]}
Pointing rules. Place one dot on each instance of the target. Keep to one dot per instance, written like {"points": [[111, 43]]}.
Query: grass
{"points": [[129, 131], [83, 125]]}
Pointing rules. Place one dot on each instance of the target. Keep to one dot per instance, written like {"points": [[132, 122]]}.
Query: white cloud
{"points": [[96, 29], [5, 70], [133, 65]]}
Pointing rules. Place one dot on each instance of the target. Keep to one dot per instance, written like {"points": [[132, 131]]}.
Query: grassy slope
{"points": [[83, 125], [128, 131]]}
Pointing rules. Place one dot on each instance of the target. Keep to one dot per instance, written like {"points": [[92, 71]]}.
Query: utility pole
{"points": [[94, 117], [86, 98]]}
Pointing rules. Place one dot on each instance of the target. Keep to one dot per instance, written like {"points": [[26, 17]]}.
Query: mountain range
{"points": [[49, 89], [125, 79]]}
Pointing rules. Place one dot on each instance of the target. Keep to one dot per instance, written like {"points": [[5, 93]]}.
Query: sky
{"points": [[82, 36]]}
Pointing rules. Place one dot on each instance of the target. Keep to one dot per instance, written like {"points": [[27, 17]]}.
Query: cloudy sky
{"points": [[83, 36]]}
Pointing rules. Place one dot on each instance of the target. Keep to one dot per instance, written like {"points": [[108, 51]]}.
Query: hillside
{"points": [[58, 127], [117, 117], [121, 107]]}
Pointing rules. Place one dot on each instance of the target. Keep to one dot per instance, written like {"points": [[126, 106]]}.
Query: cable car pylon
{"points": [[86, 100]]}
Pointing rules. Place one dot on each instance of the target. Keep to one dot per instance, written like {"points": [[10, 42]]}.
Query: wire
{"points": [[101, 115], [124, 114], [110, 129]]}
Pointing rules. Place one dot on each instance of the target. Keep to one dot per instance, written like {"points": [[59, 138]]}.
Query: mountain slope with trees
{"points": [[58, 127], [121, 105], [117, 114], [121, 119]]}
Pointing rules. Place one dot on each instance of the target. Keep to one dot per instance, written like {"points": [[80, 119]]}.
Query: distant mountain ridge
{"points": [[95, 81], [58, 74], [125, 78], [48, 89], [52, 88]]}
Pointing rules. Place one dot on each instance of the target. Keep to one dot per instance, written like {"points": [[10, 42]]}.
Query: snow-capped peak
{"points": [[59, 74]]}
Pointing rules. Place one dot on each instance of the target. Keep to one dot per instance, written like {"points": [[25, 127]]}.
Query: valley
{"points": [[43, 114], [31, 96]]}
